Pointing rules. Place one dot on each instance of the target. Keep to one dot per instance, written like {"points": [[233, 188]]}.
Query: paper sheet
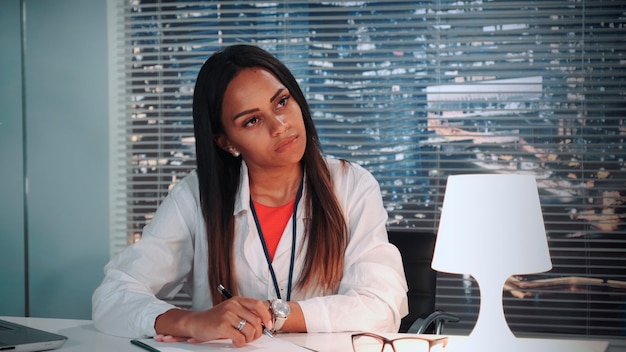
{"points": [[264, 343]]}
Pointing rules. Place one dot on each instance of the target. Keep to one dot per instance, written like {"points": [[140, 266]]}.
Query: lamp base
{"points": [[491, 328]]}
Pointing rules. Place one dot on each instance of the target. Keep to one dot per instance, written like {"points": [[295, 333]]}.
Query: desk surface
{"points": [[83, 337]]}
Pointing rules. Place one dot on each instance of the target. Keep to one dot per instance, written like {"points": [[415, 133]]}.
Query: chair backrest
{"points": [[417, 249]]}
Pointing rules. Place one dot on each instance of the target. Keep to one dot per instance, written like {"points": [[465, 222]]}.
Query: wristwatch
{"points": [[280, 312]]}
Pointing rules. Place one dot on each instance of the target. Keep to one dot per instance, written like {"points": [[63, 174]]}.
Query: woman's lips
{"points": [[286, 143]]}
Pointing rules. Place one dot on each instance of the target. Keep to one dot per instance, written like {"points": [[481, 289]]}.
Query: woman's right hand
{"points": [[219, 322]]}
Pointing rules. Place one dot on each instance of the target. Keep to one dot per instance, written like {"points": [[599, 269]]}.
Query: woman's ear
{"points": [[223, 142]]}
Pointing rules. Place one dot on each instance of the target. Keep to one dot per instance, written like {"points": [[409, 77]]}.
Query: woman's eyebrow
{"points": [[245, 112], [276, 94]]}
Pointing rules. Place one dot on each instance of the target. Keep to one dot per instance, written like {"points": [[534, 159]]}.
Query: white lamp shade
{"points": [[491, 225]]}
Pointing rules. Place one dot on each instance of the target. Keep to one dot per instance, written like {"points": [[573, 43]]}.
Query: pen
{"points": [[144, 346], [224, 292]]}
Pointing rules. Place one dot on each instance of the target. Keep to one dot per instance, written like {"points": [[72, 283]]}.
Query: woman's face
{"points": [[262, 121]]}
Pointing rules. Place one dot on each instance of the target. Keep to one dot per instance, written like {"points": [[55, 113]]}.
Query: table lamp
{"points": [[491, 227]]}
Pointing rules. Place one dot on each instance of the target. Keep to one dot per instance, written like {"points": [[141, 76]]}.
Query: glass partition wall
{"points": [[414, 91]]}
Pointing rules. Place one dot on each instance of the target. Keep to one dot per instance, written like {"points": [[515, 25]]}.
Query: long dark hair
{"points": [[219, 176]]}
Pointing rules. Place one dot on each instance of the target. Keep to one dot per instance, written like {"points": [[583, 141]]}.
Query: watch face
{"points": [[281, 308]]}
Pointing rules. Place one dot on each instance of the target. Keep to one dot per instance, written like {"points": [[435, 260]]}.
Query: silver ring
{"points": [[242, 323]]}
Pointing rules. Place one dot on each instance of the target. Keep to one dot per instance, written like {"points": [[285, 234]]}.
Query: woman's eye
{"points": [[251, 121], [283, 101]]}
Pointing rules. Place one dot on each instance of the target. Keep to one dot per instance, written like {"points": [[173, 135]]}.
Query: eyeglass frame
{"points": [[431, 342]]}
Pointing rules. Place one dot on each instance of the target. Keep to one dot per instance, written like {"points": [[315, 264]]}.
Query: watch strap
{"points": [[278, 323]]}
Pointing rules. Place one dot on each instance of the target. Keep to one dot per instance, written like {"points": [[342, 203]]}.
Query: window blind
{"points": [[414, 91]]}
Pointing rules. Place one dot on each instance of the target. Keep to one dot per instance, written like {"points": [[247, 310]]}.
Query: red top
{"points": [[273, 221]]}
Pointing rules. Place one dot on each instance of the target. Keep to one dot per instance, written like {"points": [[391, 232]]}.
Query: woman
{"points": [[266, 216]]}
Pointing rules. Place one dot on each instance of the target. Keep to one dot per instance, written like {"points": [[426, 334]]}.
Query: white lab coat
{"points": [[172, 254]]}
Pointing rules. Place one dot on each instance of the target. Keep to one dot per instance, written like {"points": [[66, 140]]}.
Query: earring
{"points": [[234, 152]]}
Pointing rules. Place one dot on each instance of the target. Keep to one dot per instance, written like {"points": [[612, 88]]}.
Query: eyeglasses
{"points": [[368, 342]]}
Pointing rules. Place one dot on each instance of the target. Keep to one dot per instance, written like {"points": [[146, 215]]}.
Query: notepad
{"points": [[263, 344]]}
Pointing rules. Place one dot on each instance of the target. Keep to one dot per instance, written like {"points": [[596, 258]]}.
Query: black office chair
{"points": [[417, 249]]}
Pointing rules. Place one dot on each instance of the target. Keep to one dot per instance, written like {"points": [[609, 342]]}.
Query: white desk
{"points": [[83, 337]]}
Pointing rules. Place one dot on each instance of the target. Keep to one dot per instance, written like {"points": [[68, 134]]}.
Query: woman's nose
{"points": [[279, 124]]}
